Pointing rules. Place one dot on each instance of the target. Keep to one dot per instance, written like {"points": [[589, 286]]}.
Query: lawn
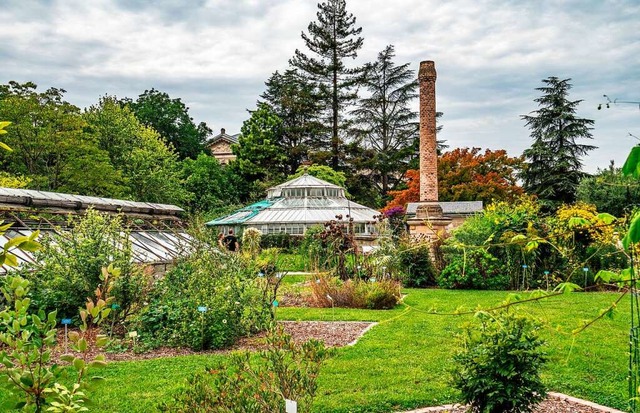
{"points": [[402, 362]]}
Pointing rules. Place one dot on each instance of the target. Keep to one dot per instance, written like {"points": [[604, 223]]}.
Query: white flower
{"points": [[224, 321]]}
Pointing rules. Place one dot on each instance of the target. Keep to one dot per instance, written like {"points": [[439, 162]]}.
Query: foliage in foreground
{"points": [[498, 363], [28, 339], [285, 370]]}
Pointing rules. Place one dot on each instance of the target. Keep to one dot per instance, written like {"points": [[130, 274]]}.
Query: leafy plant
{"points": [[285, 370], [474, 269], [498, 362], [72, 262], [28, 339], [207, 300]]}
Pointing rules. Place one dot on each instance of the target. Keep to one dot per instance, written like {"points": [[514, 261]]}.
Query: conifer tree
{"points": [[332, 39], [292, 99], [385, 121], [553, 167]]}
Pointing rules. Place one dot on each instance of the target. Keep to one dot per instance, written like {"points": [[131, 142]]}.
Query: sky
{"points": [[215, 55]]}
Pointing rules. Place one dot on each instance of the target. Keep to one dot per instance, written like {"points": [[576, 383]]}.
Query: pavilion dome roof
{"points": [[304, 200]]}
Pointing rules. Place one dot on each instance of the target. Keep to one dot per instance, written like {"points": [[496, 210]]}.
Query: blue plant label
{"points": [[202, 309], [525, 266], [546, 273], [275, 303], [585, 269], [65, 321], [115, 306]]}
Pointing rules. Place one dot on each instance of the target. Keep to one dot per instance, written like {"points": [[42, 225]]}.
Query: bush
{"points": [[474, 269], [285, 370], [498, 363], [225, 284], [72, 260], [414, 262], [355, 293]]}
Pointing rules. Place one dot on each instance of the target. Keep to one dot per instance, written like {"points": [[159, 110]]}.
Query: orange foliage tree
{"points": [[467, 174]]}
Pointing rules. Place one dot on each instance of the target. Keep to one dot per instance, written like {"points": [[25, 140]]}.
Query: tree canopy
{"points": [[332, 39], [170, 118], [553, 166]]}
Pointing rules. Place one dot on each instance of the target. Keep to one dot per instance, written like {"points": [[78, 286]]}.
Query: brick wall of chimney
{"points": [[428, 145]]}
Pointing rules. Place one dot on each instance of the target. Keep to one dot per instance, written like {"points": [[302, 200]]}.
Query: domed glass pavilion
{"points": [[299, 204]]}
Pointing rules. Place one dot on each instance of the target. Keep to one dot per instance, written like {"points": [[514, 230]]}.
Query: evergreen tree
{"points": [[332, 39], [553, 167], [386, 123], [292, 99]]}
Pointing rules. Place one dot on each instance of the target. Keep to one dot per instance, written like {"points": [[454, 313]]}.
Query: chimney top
{"points": [[427, 70], [222, 131]]}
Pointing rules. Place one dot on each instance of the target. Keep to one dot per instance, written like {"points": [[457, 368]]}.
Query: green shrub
{"points": [[72, 260], [415, 264], [227, 285], [474, 269], [284, 370], [498, 363]]}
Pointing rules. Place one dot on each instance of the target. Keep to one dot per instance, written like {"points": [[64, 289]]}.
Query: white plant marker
{"points": [[291, 406]]}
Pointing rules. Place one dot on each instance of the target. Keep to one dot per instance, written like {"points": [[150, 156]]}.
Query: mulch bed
{"points": [[334, 334], [555, 403]]}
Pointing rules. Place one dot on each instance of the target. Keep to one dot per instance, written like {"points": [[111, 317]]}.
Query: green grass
{"points": [[403, 362]]}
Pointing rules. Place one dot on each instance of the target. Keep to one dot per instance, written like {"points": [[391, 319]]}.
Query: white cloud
{"points": [[216, 54]]}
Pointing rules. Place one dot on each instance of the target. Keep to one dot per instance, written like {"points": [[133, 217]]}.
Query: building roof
{"points": [[451, 208], [11, 198], [315, 207], [223, 135], [156, 232]]}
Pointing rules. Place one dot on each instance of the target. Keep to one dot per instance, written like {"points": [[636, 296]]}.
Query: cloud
{"points": [[216, 54]]}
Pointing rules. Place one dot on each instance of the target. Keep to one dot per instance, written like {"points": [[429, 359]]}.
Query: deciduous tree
{"points": [[471, 175], [170, 118]]}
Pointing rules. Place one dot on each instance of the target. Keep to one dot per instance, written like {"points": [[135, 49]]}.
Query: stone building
{"points": [[220, 146]]}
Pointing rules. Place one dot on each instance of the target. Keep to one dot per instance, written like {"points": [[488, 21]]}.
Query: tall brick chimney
{"points": [[428, 153]]}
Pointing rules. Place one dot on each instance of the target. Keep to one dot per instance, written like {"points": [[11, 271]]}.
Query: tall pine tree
{"points": [[553, 167], [292, 99], [385, 121], [332, 39]]}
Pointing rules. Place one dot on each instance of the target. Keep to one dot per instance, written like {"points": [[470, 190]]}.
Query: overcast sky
{"points": [[216, 54]]}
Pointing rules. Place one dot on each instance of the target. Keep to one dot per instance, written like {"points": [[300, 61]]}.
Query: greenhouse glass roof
{"points": [[303, 200]]}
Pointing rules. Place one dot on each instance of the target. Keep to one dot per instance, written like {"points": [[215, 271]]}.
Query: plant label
{"points": [[275, 303], [202, 309], [65, 321], [115, 306], [291, 406], [133, 334]]}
